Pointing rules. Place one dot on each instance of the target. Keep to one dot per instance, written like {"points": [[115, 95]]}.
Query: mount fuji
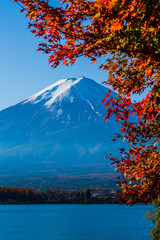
{"points": [[58, 136]]}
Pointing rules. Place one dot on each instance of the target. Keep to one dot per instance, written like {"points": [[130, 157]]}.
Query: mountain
{"points": [[59, 134]]}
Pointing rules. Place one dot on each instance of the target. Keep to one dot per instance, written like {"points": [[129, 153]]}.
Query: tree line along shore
{"points": [[14, 195]]}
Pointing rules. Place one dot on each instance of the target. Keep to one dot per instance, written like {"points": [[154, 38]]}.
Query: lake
{"points": [[74, 222]]}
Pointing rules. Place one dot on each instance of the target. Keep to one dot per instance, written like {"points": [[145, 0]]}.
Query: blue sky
{"points": [[23, 70]]}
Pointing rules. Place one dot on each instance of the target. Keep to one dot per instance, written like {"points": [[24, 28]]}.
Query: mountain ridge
{"points": [[59, 130]]}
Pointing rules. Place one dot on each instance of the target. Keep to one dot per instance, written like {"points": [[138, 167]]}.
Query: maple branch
{"points": [[19, 5]]}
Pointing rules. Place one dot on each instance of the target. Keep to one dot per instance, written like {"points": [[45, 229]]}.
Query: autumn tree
{"points": [[127, 34]]}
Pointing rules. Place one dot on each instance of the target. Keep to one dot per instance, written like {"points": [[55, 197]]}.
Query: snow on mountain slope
{"points": [[71, 100], [59, 89], [61, 129]]}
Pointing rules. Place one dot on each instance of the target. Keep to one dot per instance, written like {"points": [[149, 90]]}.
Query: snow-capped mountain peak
{"points": [[53, 91], [58, 130], [61, 90], [69, 101]]}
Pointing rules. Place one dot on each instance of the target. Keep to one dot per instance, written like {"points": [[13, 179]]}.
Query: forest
{"points": [[13, 195]]}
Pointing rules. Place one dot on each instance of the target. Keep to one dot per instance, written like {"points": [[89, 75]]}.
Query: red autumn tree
{"points": [[128, 34]]}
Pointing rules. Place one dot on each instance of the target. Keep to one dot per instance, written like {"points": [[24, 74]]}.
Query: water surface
{"points": [[73, 222]]}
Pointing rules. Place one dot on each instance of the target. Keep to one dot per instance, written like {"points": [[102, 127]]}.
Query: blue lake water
{"points": [[73, 222]]}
